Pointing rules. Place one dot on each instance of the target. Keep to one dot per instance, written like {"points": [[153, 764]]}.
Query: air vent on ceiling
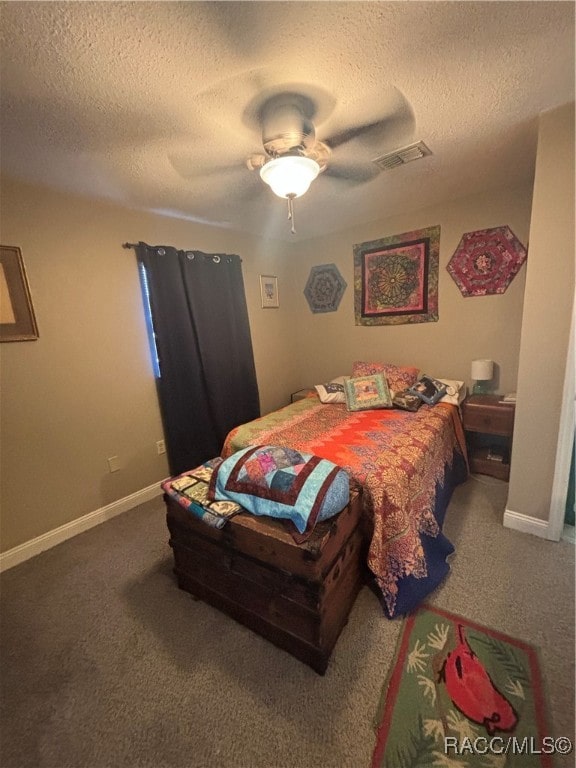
{"points": [[402, 156]]}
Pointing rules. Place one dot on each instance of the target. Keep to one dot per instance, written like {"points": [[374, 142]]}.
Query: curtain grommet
{"points": [[216, 259]]}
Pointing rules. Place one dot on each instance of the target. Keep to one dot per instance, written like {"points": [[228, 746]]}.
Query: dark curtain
{"points": [[207, 382]]}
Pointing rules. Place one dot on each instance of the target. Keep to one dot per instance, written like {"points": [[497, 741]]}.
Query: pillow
{"points": [[366, 392], [399, 377], [428, 389], [333, 391], [282, 483], [455, 391], [406, 401]]}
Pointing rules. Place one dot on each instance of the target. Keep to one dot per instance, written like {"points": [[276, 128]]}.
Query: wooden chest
{"points": [[298, 596]]}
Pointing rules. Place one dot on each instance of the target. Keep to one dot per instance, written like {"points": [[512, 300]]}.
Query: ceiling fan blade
{"points": [[394, 128], [352, 173], [370, 129], [257, 192], [239, 27]]}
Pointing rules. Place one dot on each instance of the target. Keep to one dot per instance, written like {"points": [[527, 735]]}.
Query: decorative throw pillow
{"points": [[364, 393], [428, 389], [283, 483], [333, 391], [399, 377], [406, 401], [455, 391]]}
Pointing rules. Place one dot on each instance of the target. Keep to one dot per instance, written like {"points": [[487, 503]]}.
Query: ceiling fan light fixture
{"points": [[289, 176]]}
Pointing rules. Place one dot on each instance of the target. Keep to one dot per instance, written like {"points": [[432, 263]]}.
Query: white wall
{"points": [[546, 319]]}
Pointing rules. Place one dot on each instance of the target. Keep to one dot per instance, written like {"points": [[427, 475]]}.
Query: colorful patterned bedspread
{"points": [[398, 457]]}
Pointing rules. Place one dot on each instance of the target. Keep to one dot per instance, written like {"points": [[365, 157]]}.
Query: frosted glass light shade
{"points": [[482, 370], [289, 176]]}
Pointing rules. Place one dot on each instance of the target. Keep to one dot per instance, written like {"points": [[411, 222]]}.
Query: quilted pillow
{"points": [[363, 393], [333, 391], [282, 482], [399, 377], [406, 401], [455, 391], [428, 389]]}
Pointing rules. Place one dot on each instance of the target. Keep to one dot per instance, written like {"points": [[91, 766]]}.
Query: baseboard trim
{"points": [[50, 539], [527, 524]]}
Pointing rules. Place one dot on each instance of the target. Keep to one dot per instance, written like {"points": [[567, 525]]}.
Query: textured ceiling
{"points": [[154, 105]]}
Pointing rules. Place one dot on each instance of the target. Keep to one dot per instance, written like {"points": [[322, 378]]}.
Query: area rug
{"points": [[461, 695]]}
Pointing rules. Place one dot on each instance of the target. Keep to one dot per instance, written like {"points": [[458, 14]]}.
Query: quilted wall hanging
{"points": [[396, 279], [486, 261], [325, 288]]}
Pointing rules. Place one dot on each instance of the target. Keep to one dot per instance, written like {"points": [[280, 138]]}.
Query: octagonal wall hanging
{"points": [[325, 288], [486, 261], [396, 278]]}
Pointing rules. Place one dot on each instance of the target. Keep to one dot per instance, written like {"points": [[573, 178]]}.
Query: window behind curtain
{"points": [[148, 319], [200, 337]]}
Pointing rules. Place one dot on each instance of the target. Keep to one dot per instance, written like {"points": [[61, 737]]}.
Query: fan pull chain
{"points": [[291, 213]]}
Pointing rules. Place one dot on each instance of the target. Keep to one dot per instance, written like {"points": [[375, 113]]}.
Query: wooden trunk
{"points": [[298, 596]]}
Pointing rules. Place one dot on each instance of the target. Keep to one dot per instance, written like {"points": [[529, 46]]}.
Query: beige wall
{"points": [[546, 319], [84, 390], [468, 328]]}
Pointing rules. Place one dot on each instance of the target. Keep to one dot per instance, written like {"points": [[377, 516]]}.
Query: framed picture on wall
{"points": [[396, 278], [17, 321], [269, 291]]}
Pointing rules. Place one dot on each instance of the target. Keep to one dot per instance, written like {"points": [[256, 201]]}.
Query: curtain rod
{"points": [[216, 257]]}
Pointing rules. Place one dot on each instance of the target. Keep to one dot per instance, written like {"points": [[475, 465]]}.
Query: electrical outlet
{"points": [[113, 463], [160, 447]]}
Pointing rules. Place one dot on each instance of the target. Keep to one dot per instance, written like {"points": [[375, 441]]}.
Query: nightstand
{"points": [[301, 394], [489, 427]]}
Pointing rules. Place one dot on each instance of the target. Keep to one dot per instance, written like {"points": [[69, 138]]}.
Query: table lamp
{"points": [[482, 372]]}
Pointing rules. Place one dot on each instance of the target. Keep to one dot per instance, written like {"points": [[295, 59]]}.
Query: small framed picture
{"points": [[17, 320], [269, 291]]}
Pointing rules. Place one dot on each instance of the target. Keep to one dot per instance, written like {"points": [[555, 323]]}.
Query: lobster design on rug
{"points": [[472, 691]]}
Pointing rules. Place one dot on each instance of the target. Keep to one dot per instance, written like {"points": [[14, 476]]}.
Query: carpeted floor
{"points": [[106, 663]]}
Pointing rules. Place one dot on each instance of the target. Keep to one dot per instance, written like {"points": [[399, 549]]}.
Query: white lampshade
{"points": [[482, 370], [289, 176]]}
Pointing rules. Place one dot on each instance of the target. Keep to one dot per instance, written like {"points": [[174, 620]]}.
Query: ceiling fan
{"points": [[293, 152], [293, 156]]}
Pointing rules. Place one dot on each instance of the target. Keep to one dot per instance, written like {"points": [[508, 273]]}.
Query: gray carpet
{"points": [[106, 663]]}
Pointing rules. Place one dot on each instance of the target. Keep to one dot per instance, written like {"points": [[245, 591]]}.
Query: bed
{"points": [[406, 465]]}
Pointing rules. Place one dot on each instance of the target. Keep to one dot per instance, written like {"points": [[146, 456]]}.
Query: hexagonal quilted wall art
{"points": [[325, 288], [486, 261]]}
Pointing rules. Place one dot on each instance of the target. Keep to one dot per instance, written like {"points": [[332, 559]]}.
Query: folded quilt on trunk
{"points": [[281, 482], [190, 490]]}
